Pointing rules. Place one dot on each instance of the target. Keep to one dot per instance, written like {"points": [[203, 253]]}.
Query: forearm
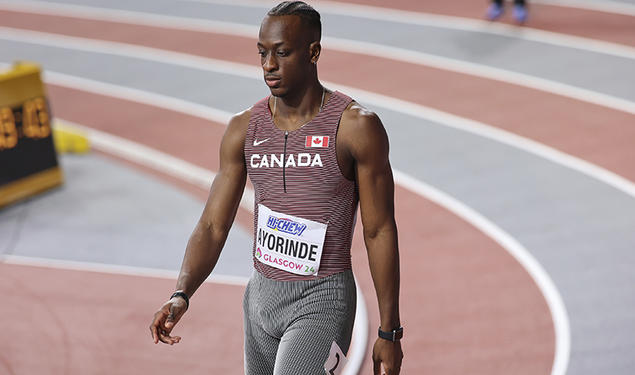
{"points": [[208, 238], [383, 258], [201, 254]]}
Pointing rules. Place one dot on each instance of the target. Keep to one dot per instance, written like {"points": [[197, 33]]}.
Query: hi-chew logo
{"points": [[286, 225], [317, 141]]}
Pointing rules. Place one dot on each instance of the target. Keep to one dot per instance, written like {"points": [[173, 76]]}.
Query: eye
{"points": [[261, 53], [282, 52]]}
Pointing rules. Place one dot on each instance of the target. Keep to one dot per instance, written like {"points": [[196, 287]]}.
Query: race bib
{"points": [[289, 243]]}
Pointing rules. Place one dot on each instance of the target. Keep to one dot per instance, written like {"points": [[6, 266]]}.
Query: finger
{"points": [[154, 327], [164, 337], [167, 339], [171, 340], [154, 333]]}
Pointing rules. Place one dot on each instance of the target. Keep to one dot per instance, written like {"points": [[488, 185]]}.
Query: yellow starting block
{"points": [[69, 140], [28, 162]]}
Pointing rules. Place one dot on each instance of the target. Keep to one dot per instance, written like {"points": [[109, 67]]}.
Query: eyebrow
{"points": [[277, 44]]}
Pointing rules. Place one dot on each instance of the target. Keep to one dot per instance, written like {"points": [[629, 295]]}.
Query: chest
{"points": [[300, 164], [270, 149]]}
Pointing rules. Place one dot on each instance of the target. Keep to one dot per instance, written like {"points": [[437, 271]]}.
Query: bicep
{"points": [[374, 176]]}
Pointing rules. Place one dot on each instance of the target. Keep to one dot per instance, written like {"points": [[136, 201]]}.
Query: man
{"points": [[311, 155]]}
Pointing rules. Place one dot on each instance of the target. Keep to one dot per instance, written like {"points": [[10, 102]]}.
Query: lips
{"points": [[272, 81]]}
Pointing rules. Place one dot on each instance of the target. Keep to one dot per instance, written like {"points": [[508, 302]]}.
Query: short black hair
{"points": [[307, 13]]}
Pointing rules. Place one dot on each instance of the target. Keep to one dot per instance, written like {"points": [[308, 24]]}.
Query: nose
{"points": [[269, 62]]}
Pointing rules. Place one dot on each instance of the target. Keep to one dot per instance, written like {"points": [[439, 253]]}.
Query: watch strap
{"points": [[394, 335], [182, 295]]}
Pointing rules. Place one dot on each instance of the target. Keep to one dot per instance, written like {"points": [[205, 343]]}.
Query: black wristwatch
{"points": [[182, 294], [394, 335]]}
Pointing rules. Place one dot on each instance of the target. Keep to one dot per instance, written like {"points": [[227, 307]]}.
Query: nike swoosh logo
{"points": [[257, 143]]}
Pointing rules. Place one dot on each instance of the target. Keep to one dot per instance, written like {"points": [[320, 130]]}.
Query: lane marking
{"points": [[113, 269], [485, 71], [499, 135], [452, 22], [343, 9], [606, 6], [360, 337], [372, 49], [150, 157], [181, 169], [213, 65], [519, 252], [172, 166], [346, 45]]}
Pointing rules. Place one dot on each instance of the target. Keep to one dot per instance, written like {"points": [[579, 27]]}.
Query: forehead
{"points": [[287, 29]]}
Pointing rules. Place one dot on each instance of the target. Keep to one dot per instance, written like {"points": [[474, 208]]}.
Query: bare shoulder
{"points": [[357, 117], [239, 121], [234, 137], [361, 130], [237, 127]]}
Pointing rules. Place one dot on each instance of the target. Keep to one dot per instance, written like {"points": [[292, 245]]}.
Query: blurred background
{"points": [[512, 135]]}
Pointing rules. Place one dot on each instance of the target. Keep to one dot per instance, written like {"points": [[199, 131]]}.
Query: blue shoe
{"points": [[520, 13], [494, 12]]}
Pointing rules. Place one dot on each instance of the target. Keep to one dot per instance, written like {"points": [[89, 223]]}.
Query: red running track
{"points": [[605, 26], [466, 301], [467, 304], [63, 322], [594, 133]]}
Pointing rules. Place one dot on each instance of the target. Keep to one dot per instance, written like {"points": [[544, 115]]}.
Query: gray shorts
{"points": [[291, 325]]}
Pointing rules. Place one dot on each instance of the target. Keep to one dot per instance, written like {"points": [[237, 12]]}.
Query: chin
{"points": [[278, 91]]}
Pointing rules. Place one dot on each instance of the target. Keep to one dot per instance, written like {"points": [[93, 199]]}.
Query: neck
{"points": [[305, 104]]}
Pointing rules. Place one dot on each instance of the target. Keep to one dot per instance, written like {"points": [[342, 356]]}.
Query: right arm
{"points": [[209, 235]]}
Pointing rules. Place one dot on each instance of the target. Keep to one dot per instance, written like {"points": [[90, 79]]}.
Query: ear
{"points": [[314, 50]]}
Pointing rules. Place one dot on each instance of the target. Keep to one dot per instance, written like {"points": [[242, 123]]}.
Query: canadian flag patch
{"points": [[317, 141]]}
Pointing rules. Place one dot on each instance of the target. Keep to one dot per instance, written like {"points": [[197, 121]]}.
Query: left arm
{"points": [[369, 150]]}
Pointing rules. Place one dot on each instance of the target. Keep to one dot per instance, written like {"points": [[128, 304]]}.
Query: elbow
{"points": [[215, 229], [373, 232]]}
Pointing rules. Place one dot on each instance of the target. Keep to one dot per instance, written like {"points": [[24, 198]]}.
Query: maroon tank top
{"points": [[296, 174]]}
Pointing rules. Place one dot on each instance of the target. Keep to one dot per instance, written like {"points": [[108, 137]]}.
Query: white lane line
{"points": [[247, 71], [499, 135], [606, 6], [346, 45], [490, 229], [518, 251], [114, 269], [144, 155], [343, 45], [357, 352], [479, 70], [172, 166], [130, 17], [343, 9], [181, 169], [451, 22]]}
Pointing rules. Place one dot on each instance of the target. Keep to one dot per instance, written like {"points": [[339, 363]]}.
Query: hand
{"points": [[165, 319], [389, 354]]}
